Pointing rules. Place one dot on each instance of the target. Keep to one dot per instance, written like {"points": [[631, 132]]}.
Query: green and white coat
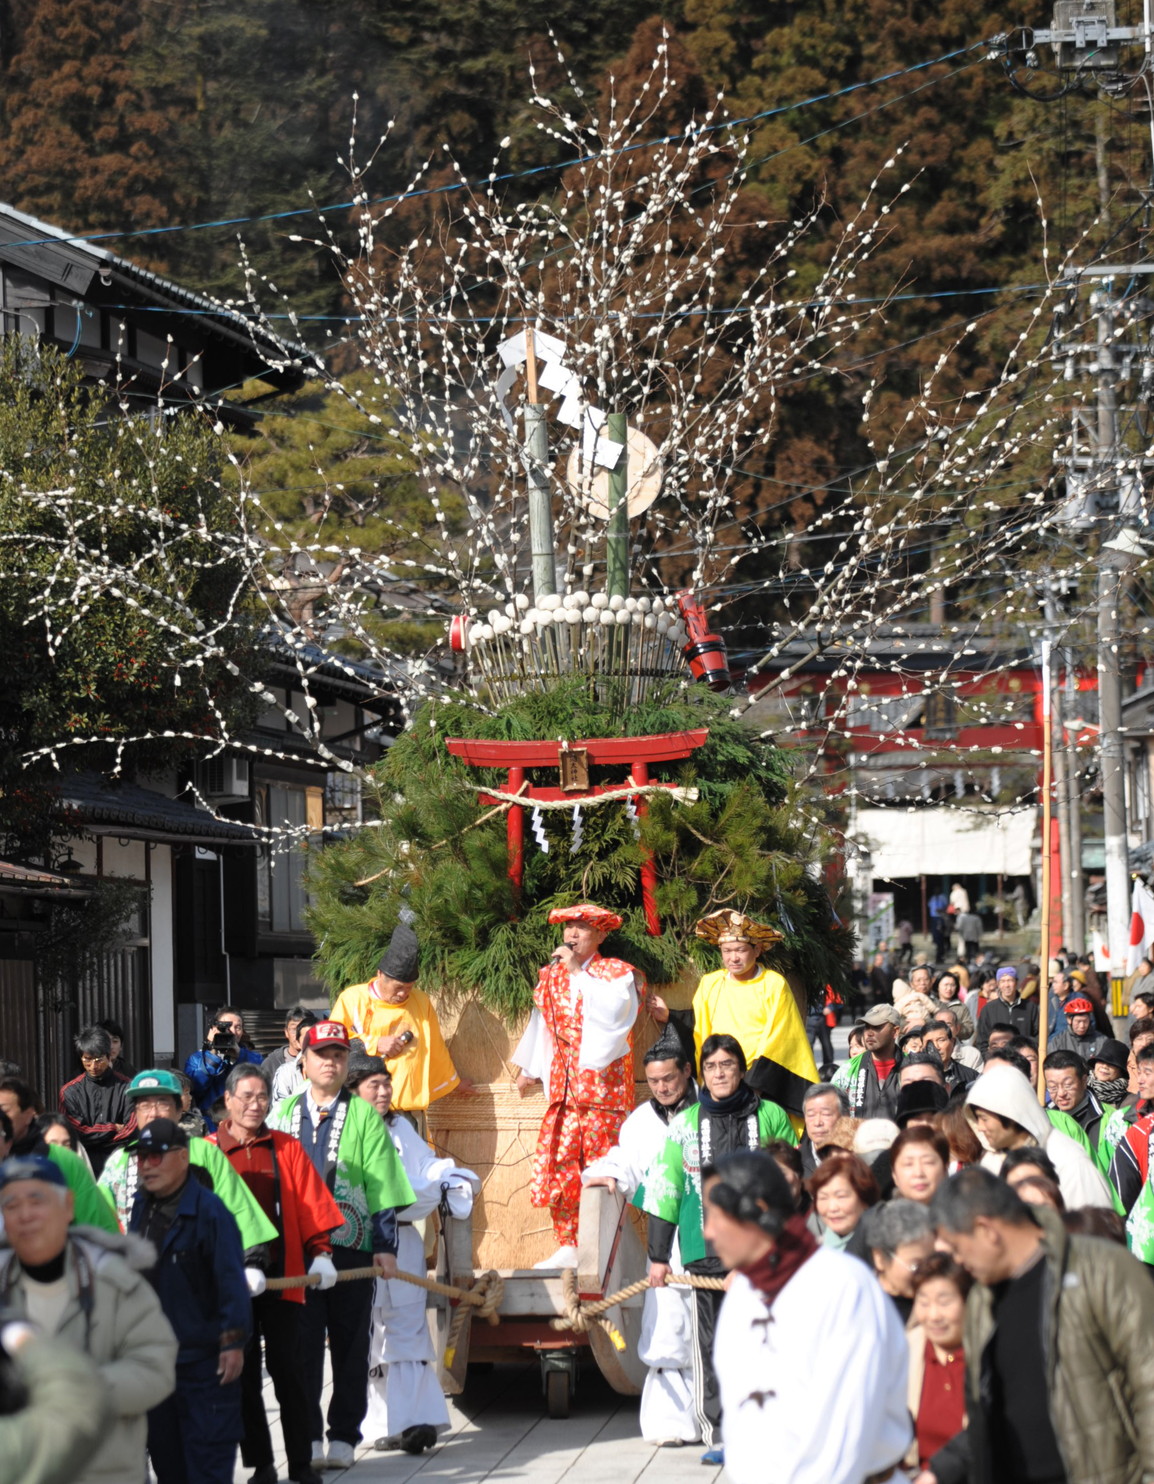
{"points": [[673, 1185], [364, 1170]]}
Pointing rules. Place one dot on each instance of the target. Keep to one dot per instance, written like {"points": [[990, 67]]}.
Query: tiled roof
{"points": [[12, 874], [91, 799]]}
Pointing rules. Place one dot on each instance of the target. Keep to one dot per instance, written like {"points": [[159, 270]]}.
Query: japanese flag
{"points": [[1141, 924]]}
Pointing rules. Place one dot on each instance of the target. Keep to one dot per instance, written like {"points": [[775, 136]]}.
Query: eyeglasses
{"points": [[250, 1097]]}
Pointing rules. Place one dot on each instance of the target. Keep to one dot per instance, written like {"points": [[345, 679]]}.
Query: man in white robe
{"points": [[810, 1353], [667, 1412], [406, 1404]]}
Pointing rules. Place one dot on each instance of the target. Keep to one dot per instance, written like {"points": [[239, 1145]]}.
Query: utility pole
{"points": [[1074, 813], [1112, 565], [1062, 791], [1104, 488]]}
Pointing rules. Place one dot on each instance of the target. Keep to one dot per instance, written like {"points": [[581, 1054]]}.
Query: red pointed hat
{"points": [[598, 918]]}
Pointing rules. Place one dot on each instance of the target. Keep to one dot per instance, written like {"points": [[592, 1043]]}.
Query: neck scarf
{"points": [[1114, 1092], [736, 1105], [795, 1246]]}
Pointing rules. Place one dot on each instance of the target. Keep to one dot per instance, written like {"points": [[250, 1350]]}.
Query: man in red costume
{"points": [[579, 1043]]}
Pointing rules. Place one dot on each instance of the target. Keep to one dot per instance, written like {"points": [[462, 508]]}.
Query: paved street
{"points": [[500, 1431]]}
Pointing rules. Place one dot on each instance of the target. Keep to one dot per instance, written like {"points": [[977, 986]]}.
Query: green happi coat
{"points": [[118, 1182], [366, 1176], [673, 1184], [89, 1208]]}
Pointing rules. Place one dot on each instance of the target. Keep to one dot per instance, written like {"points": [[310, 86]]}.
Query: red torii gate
{"points": [[575, 758]]}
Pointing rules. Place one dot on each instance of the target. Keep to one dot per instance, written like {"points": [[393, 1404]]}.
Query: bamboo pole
{"points": [[1047, 848]]}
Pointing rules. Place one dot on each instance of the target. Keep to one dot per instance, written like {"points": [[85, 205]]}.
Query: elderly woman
{"points": [[919, 1162], [900, 1236], [843, 1189], [937, 1379]]}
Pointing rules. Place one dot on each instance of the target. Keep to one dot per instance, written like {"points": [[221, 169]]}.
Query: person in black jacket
{"points": [[1008, 1009], [96, 1103], [873, 1082]]}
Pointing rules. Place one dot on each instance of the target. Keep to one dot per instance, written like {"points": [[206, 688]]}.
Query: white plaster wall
{"points": [[163, 957]]}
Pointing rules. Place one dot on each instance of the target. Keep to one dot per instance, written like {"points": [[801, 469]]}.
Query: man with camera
{"points": [[208, 1068]]}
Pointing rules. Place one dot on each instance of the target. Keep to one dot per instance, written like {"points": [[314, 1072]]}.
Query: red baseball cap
{"points": [[1078, 1007], [325, 1033]]}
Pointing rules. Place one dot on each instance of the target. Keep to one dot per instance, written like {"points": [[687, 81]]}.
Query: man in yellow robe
{"points": [[754, 1004], [396, 1020]]}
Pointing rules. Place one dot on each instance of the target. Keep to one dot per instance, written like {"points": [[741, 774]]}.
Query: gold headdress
{"points": [[735, 927]]}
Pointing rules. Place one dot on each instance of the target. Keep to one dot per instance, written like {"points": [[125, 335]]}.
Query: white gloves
{"points": [[322, 1268], [255, 1280]]}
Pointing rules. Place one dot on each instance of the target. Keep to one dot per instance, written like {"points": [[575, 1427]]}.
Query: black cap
{"points": [[920, 1097], [400, 961], [159, 1136], [1114, 1053]]}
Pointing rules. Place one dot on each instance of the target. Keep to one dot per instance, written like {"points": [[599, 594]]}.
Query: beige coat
{"points": [[125, 1333]]}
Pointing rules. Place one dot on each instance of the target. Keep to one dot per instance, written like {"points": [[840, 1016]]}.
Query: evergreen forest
{"points": [[182, 130]]}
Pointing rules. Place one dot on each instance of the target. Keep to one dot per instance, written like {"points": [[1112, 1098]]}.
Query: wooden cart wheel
{"points": [[558, 1393]]}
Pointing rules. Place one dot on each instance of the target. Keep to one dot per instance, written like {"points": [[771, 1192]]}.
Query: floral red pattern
{"points": [[586, 1107]]}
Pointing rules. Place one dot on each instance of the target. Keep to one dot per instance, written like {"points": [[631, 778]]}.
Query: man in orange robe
{"points": [[579, 1043]]}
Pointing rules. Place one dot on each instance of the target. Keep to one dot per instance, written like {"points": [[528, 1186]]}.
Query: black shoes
{"points": [[417, 1439]]}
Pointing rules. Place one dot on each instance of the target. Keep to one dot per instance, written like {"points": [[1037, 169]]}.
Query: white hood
{"points": [[1003, 1090]]}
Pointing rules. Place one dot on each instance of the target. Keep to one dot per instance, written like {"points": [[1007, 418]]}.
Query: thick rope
{"points": [[579, 1315], [488, 1292], [485, 1296]]}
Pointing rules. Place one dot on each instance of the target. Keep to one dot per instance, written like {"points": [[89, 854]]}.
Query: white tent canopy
{"points": [[941, 841]]}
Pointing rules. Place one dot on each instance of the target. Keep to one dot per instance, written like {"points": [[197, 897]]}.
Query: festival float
{"points": [[589, 752]]}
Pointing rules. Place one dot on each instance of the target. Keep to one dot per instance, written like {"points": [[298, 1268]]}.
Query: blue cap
{"points": [[31, 1167]]}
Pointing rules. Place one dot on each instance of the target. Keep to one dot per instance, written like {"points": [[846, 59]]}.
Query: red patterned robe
{"points": [[587, 1105]]}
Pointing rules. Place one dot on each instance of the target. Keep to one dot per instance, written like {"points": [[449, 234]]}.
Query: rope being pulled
{"points": [[579, 1315], [485, 1296]]}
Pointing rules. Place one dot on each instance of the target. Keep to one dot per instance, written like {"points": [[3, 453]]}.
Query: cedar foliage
{"points": [[745, 843], [327, 470]]}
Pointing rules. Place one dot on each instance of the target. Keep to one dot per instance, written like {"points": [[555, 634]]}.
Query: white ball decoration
{"points": [[624, 617], [607, 617], [616, 602], [550, 602], [493, 617], [522, 602], [650, 622], [599, 600], [590, 615], [527, 625], [643, 605], [571, 615], [579, 600]]}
